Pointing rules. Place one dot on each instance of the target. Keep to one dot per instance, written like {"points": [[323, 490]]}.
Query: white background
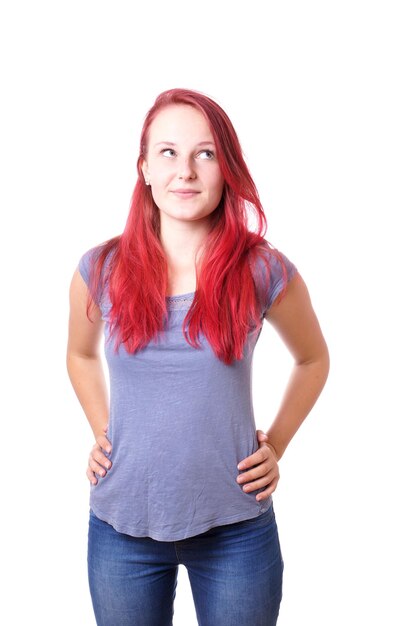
{"points": [[322, 95]]}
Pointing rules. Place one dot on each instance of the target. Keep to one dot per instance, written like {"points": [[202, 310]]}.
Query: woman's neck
{"points": [[183, 241]]}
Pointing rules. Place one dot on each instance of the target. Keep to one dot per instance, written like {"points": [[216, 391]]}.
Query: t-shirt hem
{"points": [[179, 536]]}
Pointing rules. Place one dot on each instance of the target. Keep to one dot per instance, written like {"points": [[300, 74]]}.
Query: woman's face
{"points": [[181, 165]]}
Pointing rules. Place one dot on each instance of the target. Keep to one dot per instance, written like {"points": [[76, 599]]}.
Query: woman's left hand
{"points": [[265, 472]]}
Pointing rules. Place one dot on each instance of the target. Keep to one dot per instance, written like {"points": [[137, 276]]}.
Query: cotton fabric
{"points": [[180, 421]]}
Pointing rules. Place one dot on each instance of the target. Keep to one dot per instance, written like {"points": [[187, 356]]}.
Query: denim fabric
{"points": [[235, 572]]}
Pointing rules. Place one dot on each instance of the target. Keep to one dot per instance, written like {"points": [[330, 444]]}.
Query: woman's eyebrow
{"points": [[170, 143]]}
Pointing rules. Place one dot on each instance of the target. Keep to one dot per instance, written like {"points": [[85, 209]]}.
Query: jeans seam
{"points": [[176, 551]]}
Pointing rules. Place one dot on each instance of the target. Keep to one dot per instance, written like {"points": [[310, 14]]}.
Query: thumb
{"points": [[261, 436]]}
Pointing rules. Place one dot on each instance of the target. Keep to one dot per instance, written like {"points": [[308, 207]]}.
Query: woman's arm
{"points": [[295, 321], [86, 372]]}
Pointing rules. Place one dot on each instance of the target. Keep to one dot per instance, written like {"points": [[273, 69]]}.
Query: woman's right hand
{"points": [[98, 462]]}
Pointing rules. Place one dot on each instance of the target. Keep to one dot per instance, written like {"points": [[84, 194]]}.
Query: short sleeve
{"points": [[281, 272], [84, 265], [269, 285]]}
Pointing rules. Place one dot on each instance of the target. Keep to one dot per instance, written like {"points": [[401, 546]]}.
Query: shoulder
{"points": [[265, 254], [272, 270], [100, 255], [86, 261]]}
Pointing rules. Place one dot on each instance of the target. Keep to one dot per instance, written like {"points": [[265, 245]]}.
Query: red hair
{"points": [[225, 307]]}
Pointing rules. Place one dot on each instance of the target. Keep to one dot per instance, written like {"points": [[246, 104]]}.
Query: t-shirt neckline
{"points": [[181, 296], [180, 302]]}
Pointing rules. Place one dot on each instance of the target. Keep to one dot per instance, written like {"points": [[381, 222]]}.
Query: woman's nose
{"points": [[186, 170]]}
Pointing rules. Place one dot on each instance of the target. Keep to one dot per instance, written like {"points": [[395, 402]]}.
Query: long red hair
{"points": [[225, 307]]}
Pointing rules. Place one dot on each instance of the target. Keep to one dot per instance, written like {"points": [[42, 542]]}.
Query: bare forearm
{"points": [[305, 385], [87, 378]]}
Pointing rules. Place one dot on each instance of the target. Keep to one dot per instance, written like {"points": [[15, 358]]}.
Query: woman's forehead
{"points": [[179, 122]]}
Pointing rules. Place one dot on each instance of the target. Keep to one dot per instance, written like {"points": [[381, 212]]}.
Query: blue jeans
{"points": [[235, 572]]}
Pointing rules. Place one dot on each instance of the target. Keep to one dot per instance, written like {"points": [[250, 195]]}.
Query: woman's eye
{"points": [[168, 152], [206, 154]]}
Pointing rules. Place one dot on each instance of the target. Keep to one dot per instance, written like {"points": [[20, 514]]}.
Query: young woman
{"points": [[178, 472]]}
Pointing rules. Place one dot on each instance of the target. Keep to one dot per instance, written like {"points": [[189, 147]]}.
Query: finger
{"points": [[257, 472], [104, 443], [267, 492], [96, 467], [261, 435], [258, 457], [99, 456], [264, 481], [91, 476]]}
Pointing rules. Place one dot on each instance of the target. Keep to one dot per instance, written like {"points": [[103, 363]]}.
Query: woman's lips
{"points": [[185, 193]]}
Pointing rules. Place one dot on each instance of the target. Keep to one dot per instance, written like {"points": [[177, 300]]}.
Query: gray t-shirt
{"points": [[180, 421]]}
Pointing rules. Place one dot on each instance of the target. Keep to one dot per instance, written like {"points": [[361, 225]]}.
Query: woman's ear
{"points": [[145, 172]]}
